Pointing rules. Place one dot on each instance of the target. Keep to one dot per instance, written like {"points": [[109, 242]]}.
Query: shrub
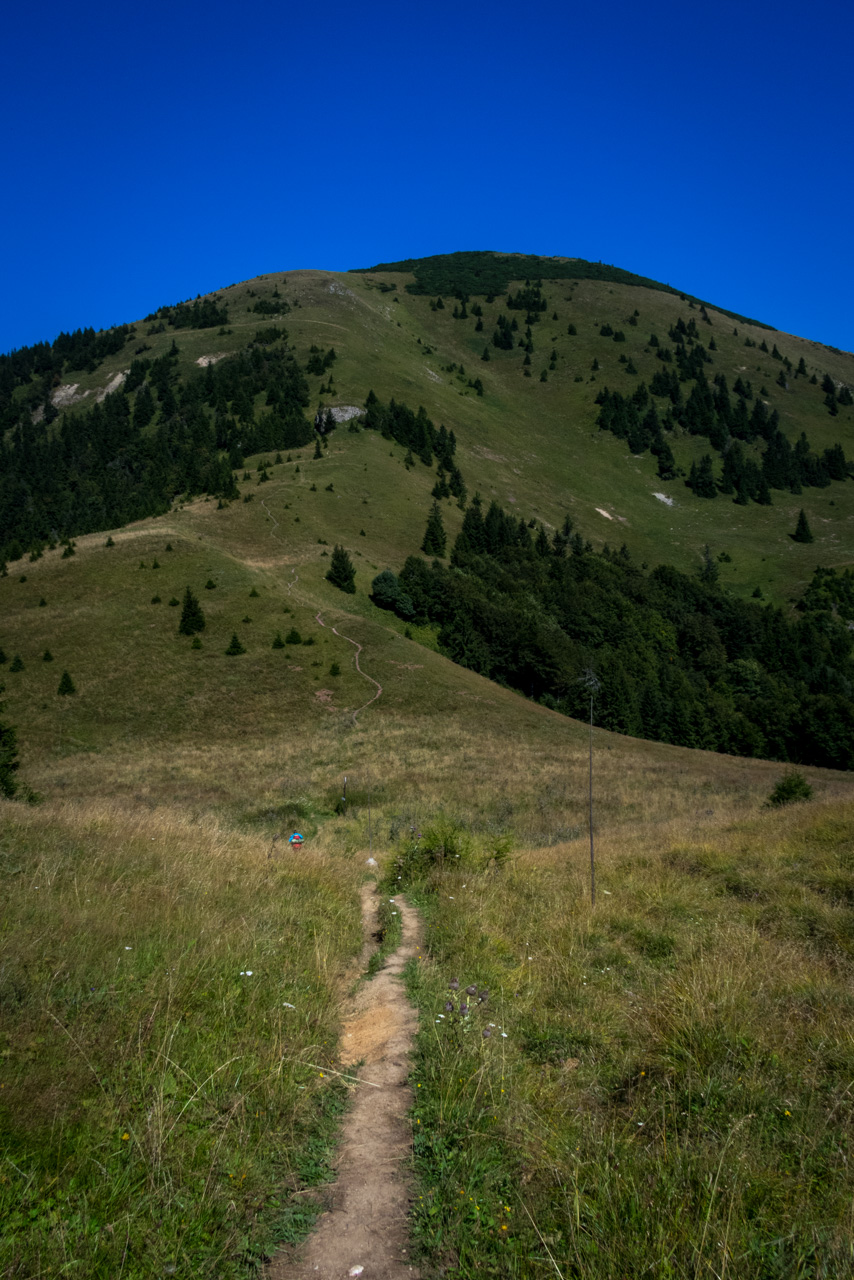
{"points": [[278, 642], [210, 585], [791, 789], [197, 644], [253, 594], [293, 637], [443, 843], [174, 602], [42, 603], [17, 663], [47, 656], [342, 573], [155, 599], [335, 669], [192, 617], [8, 758], [66, 685], [109, 542]]}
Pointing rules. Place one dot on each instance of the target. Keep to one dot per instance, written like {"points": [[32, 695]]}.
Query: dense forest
{"points": [[677, 659], [483, 272], [155, 438]]}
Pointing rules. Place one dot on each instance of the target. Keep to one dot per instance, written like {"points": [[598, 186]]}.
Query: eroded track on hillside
{"points": [[318, 618], [364, 1230]]}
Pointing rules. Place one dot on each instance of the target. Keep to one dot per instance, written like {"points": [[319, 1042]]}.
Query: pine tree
{"points": [[192, 617], [47, 656], [66, 684], [17, 663], [235, 647], [278, 642], [803, 533], [435, 539], [8, 758], [341, 573]]}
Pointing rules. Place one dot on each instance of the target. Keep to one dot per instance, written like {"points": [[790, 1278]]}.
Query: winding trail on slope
{"points": [[335, 631], [364, 1231], [362, 673]]}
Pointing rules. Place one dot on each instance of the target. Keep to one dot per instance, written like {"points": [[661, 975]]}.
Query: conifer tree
{"points": [[192, 617], [803, 533], [435, 539], [341, 573], [66, 684], [235, 647], [8, 758], [278, 642]]}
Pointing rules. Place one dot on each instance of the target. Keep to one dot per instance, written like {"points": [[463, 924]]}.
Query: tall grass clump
{"points": [[168, 1003], [661, 1083]]}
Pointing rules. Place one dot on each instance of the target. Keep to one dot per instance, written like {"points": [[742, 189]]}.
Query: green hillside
{"points": [[674, 1081]]}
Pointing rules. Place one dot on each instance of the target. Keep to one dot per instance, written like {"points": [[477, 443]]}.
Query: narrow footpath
{"points": [[364, 1231]]}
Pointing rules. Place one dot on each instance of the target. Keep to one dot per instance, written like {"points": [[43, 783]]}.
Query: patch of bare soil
{"points": [[363, 1231]]}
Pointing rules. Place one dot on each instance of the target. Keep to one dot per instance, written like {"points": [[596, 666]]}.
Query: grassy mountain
{"points": [[170, 975]]}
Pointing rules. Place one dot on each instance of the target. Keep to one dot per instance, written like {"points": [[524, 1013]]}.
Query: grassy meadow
{"points": [[533, 446], [147, 1074], [666, 1088]]}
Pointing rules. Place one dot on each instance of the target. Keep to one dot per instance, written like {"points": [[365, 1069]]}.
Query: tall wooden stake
{"points": [[592, 861], [590, 680]]}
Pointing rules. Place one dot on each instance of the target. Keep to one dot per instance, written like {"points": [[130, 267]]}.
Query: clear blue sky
{"points": [[154, 151]]}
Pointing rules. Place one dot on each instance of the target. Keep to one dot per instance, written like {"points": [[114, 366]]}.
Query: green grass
{"points": [[665, 1086], [168, 1000], [170, 772], [534, 446]]}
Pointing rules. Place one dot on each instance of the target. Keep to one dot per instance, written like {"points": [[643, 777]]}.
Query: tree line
{"points": [[157, 437], [679, 659]]}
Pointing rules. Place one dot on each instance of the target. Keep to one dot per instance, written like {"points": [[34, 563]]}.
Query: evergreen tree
{"points": [[17, 663], [435, 539], [278, 642], [8, 758], [66, 685], [235, 647], [192, 617], [47, 656], [341, 573], [802, 533]]}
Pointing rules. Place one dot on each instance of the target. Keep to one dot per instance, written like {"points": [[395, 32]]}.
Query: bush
{"points": [[47, 656], [278, 642], [791, 789], [341, 571], [8, 758], [17, 663], [293, 637], [443, 843]]}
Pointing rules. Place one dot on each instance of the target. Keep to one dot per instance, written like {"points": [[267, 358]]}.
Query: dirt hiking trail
{"points": [[363, 1231]]}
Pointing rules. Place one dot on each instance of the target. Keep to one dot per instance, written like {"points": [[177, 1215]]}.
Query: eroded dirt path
{"points": [[365, 1225], [362, 673]]}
